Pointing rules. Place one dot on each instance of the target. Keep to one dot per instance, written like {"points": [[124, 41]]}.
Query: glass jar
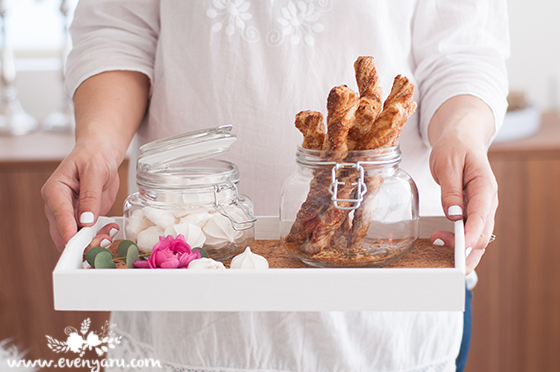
{"points": [[349, 209], [183, 191]]}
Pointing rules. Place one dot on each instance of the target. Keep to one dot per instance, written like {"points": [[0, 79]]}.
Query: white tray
{"points": [[298, 289]]}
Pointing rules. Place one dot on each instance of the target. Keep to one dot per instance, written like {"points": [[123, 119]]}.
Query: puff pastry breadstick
{"points": [[384, 133], [367, 78], [370, 99], [397, 108], [341, 105], [312, 126], [368, 110], [363, 214], [354, 122]]}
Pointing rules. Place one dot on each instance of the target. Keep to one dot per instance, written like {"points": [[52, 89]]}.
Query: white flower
{"points": [[300, 21], [75, 342], [232, 13], [93, 339]]}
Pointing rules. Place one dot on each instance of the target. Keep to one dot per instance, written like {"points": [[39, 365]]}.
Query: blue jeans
{"points": [[461, 361]]}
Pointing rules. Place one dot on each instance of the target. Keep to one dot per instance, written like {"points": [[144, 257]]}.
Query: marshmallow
{"points": [[162, 218], [146, 239], [180, 213], [198, 219], [205, 263], [193, 199], [136, 223], [218, 231], [192, 233], [249, 260]]}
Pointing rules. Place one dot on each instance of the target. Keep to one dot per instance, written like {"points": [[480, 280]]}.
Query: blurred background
{"points": [[517, 300], [35, 30]]}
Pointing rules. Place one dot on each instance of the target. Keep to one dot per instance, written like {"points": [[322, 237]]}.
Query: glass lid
{"points": [[166, 153]]}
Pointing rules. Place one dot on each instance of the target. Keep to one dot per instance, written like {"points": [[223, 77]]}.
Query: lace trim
{"points": [[131, 349]]}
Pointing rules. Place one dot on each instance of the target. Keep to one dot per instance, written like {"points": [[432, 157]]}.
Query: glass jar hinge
{"points": [[220, 207], [361, 187]]}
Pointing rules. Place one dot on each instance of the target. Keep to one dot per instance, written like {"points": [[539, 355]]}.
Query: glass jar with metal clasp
{"points": [[349, 209], [183, 191]]}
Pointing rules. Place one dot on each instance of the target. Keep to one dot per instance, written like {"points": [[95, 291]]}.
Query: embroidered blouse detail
{"points": [[297, 22]]}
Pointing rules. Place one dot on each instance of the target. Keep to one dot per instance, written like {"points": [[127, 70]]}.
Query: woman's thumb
{"points": [[452, 195], [89, 200]]}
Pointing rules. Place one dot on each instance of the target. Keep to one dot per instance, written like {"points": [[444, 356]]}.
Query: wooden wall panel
{"points": [[516, 306], [495, 333], [28, 257], [542, 254]]}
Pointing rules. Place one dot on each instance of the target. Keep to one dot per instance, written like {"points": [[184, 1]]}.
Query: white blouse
{"points": [[254, 65]]}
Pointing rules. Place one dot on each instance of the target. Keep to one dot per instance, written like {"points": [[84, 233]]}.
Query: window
{"points": [[36, 25]]}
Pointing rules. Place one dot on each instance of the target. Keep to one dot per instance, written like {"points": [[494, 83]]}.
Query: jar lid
{"points": [[162, 154], [183, 161]]}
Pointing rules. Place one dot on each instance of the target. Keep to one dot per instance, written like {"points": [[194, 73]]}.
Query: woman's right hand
{"points": [[109, 107], [83, 187]]}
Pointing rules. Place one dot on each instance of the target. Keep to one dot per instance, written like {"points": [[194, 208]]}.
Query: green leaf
{"points": [[93, 252], [104, 260], [122, 249], [132, 255], [203, 252]]}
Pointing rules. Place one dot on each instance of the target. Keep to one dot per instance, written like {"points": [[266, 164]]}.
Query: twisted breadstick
{"points": [[367, 78], [384, 133], [353, 124], [370, 99], [397, 108], [368, 110], [341, 105], [311, 125]]}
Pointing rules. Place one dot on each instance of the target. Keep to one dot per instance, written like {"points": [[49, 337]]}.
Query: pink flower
{"points": [[170, 253]]}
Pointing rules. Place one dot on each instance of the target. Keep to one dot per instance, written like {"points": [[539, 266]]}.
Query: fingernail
{"points": [[113, 232], [87, 217], [455, 210], [438, 241], [468, 251], [105, 243]]}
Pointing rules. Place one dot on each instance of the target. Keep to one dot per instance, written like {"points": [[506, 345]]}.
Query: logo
{"points": [[79, 342]]}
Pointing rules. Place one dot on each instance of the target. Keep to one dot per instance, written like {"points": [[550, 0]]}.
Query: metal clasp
{"points": [[220, 207], [360, 190]]}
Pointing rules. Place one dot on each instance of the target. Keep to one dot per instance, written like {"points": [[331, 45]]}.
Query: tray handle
{"points": [[71, 257], [460, 245]]}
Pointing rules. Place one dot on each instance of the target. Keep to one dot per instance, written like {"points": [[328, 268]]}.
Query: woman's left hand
{"points": [[459, 132]]}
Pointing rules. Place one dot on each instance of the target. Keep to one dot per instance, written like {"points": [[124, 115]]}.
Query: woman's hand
{"points": [[459, 133], [109, 108], [83, 187]]}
